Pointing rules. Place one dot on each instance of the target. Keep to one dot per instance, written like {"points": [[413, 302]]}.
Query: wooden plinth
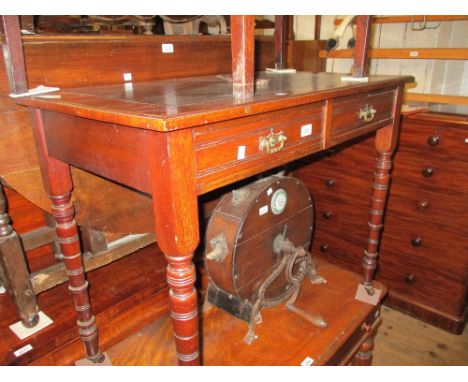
{"points": [[125, 296], [283, 337]]}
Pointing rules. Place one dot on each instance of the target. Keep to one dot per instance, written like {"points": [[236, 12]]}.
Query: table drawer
{"points": [[228, 151], [366, 112]]}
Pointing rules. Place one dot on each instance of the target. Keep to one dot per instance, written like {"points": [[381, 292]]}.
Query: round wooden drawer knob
{"points": [[416, 242], [324, 247], [423, 205], [410, 278], [428, 172], [330, 182], [327, 215], [433, 140]]}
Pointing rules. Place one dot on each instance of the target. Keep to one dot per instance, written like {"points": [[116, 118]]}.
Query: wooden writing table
{"points": [[178, 139]]}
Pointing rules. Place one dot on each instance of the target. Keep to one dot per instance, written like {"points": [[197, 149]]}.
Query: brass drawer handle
{"points": [[410, 278], [428, 172], [367, 113], [433, 140], [273, 142], [416, 242]]}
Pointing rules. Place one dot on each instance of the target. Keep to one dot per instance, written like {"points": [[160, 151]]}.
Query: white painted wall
{"points": [[432, 76]]}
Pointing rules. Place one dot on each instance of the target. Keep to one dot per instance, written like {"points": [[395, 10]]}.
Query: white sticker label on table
{"points": [[167, 48], [269, 191], [127, 76], [307, 361], [23, 350], [263, 210], [241, 152], [306, 130]]}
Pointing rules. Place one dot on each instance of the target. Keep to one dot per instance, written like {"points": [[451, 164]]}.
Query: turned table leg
{"points": [[380, 188], [183, 305], [15, 269], [175, 206], [59, 185], [386, 140], [363, 357], [67, 234]]}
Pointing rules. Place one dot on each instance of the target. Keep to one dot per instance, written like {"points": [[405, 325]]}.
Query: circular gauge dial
{"points": [[278, 201]]}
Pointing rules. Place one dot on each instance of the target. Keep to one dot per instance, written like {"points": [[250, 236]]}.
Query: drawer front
{"points": [[324, 181], [421, 280], [444, 143], [438, 246], [339, 249], [335, 216], [233, 150], [432, 207], [361, 113], [430, 173]]}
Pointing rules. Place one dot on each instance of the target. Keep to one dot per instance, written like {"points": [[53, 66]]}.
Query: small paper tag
{"points": [[23, 350], [306, 130], [167, 48], [127, 76], [241, 152], [307, 361], [263, 210], [414, 54], [362, 295], [269, 191]]}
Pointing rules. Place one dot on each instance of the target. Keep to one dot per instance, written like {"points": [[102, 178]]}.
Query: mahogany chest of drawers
{"points": [[424, 248]]}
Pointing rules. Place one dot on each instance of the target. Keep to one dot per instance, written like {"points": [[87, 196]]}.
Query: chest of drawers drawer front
{"points": [[338, 249], [361, 113], [430, 173], [233, 150], [420, 279], [432, 207], [329, 181], [336, 216], [445, 143], [441, 245]]}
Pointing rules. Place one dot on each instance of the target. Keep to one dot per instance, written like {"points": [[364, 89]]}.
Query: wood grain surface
{"points": [[283, 337]]}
